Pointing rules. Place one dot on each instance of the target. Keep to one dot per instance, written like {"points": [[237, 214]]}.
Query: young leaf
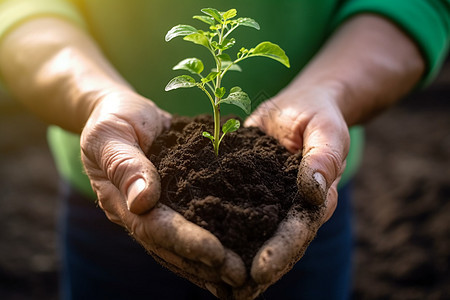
{"points": [[180, 30], [234, 67], [270, 50], [224, 57], [208, 135], [248, 22], [213, 13], [226, 61], [205, 19], [239, 98], [209, 77], [197, 38], [229, 14], [231, 125], [193, 65], [227, 44], [183, 81], [220, 92], [243, 51]]}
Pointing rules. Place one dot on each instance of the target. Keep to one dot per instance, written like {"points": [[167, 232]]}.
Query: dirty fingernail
{"points": [[211, 288], [321, 181], [134, 190]]}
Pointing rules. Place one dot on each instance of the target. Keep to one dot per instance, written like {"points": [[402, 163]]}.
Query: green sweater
{"points": [[131, 34]]}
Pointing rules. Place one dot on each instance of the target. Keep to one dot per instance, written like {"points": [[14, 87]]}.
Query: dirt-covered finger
{"points": [[166, 228], [279, 254], [205, 277], [233, 269]]}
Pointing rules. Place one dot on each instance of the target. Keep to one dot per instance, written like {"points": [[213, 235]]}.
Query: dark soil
{"points": [[241, 195]]}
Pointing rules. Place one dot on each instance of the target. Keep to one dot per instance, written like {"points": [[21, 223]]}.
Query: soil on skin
{"points": [[240, 196]]}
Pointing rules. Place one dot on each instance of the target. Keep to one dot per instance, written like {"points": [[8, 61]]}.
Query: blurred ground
{"points": [[402, 203]]}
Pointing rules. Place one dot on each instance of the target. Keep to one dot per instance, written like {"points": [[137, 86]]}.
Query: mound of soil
{"points": [[240, 196]]}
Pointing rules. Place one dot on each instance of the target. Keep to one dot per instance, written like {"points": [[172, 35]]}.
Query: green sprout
{"points": [[217, 40]]}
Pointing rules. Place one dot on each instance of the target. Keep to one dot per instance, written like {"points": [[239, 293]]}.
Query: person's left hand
{"points": [[307, 120]]}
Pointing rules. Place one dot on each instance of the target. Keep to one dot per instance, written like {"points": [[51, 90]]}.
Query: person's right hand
{"points": [[120, 129]]}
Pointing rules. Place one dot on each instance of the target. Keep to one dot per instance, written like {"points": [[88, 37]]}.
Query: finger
{"points": [[115, 155], [162, 227], [203, 276], [192, 270], [324, 152], [166, 228], [207, 278], [231, 272], [331, 201], [233, 269], [286, 247]]}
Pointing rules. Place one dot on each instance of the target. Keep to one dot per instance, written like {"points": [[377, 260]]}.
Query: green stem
{"points": [[208, 84], [233, 63], [216, 129], [230, 30], [207, 94]]}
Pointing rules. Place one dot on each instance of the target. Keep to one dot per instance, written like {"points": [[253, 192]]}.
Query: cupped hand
{"points": [[119, 131], [307, 120]]}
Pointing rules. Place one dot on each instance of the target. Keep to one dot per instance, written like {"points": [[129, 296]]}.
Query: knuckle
{"points": [[334, 162], [117, 163], [140, 232]]}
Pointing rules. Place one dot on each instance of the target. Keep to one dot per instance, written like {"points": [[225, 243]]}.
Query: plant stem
{"points": [[216, 105], [216, 129]]}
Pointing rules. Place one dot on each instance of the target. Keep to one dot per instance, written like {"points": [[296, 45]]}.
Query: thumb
{"points": [[121, 161], [133, 175], [322, 164]]}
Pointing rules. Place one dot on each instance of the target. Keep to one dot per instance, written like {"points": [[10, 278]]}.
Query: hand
{"points": [[306, 119], [121, 128]]}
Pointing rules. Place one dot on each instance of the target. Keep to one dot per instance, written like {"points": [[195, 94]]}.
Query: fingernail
{"points": [[321, 181], [134, 190]]}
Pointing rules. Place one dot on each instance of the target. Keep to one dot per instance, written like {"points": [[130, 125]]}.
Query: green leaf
{"points": [[239, 98], [229, 14], [197, 38], [180, 30], [249, 22], [224, 57], [235, 89], [183, 81], [231, 125], [213, 13], [220, 92], [227, 44], [270, 50], [225, 64], [209, 77], [226, 61], [208, 135], [193, 65], [234, 67], [205, 19]]}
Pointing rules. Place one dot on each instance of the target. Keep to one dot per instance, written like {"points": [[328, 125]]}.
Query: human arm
{"points": [[57, 71]]}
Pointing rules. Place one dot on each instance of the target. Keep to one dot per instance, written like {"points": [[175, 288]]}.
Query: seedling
{"points": [[217, 40]]}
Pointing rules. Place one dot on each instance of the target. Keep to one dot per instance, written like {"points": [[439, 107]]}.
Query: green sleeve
{"points": [[427, 22], [15, 12]]}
